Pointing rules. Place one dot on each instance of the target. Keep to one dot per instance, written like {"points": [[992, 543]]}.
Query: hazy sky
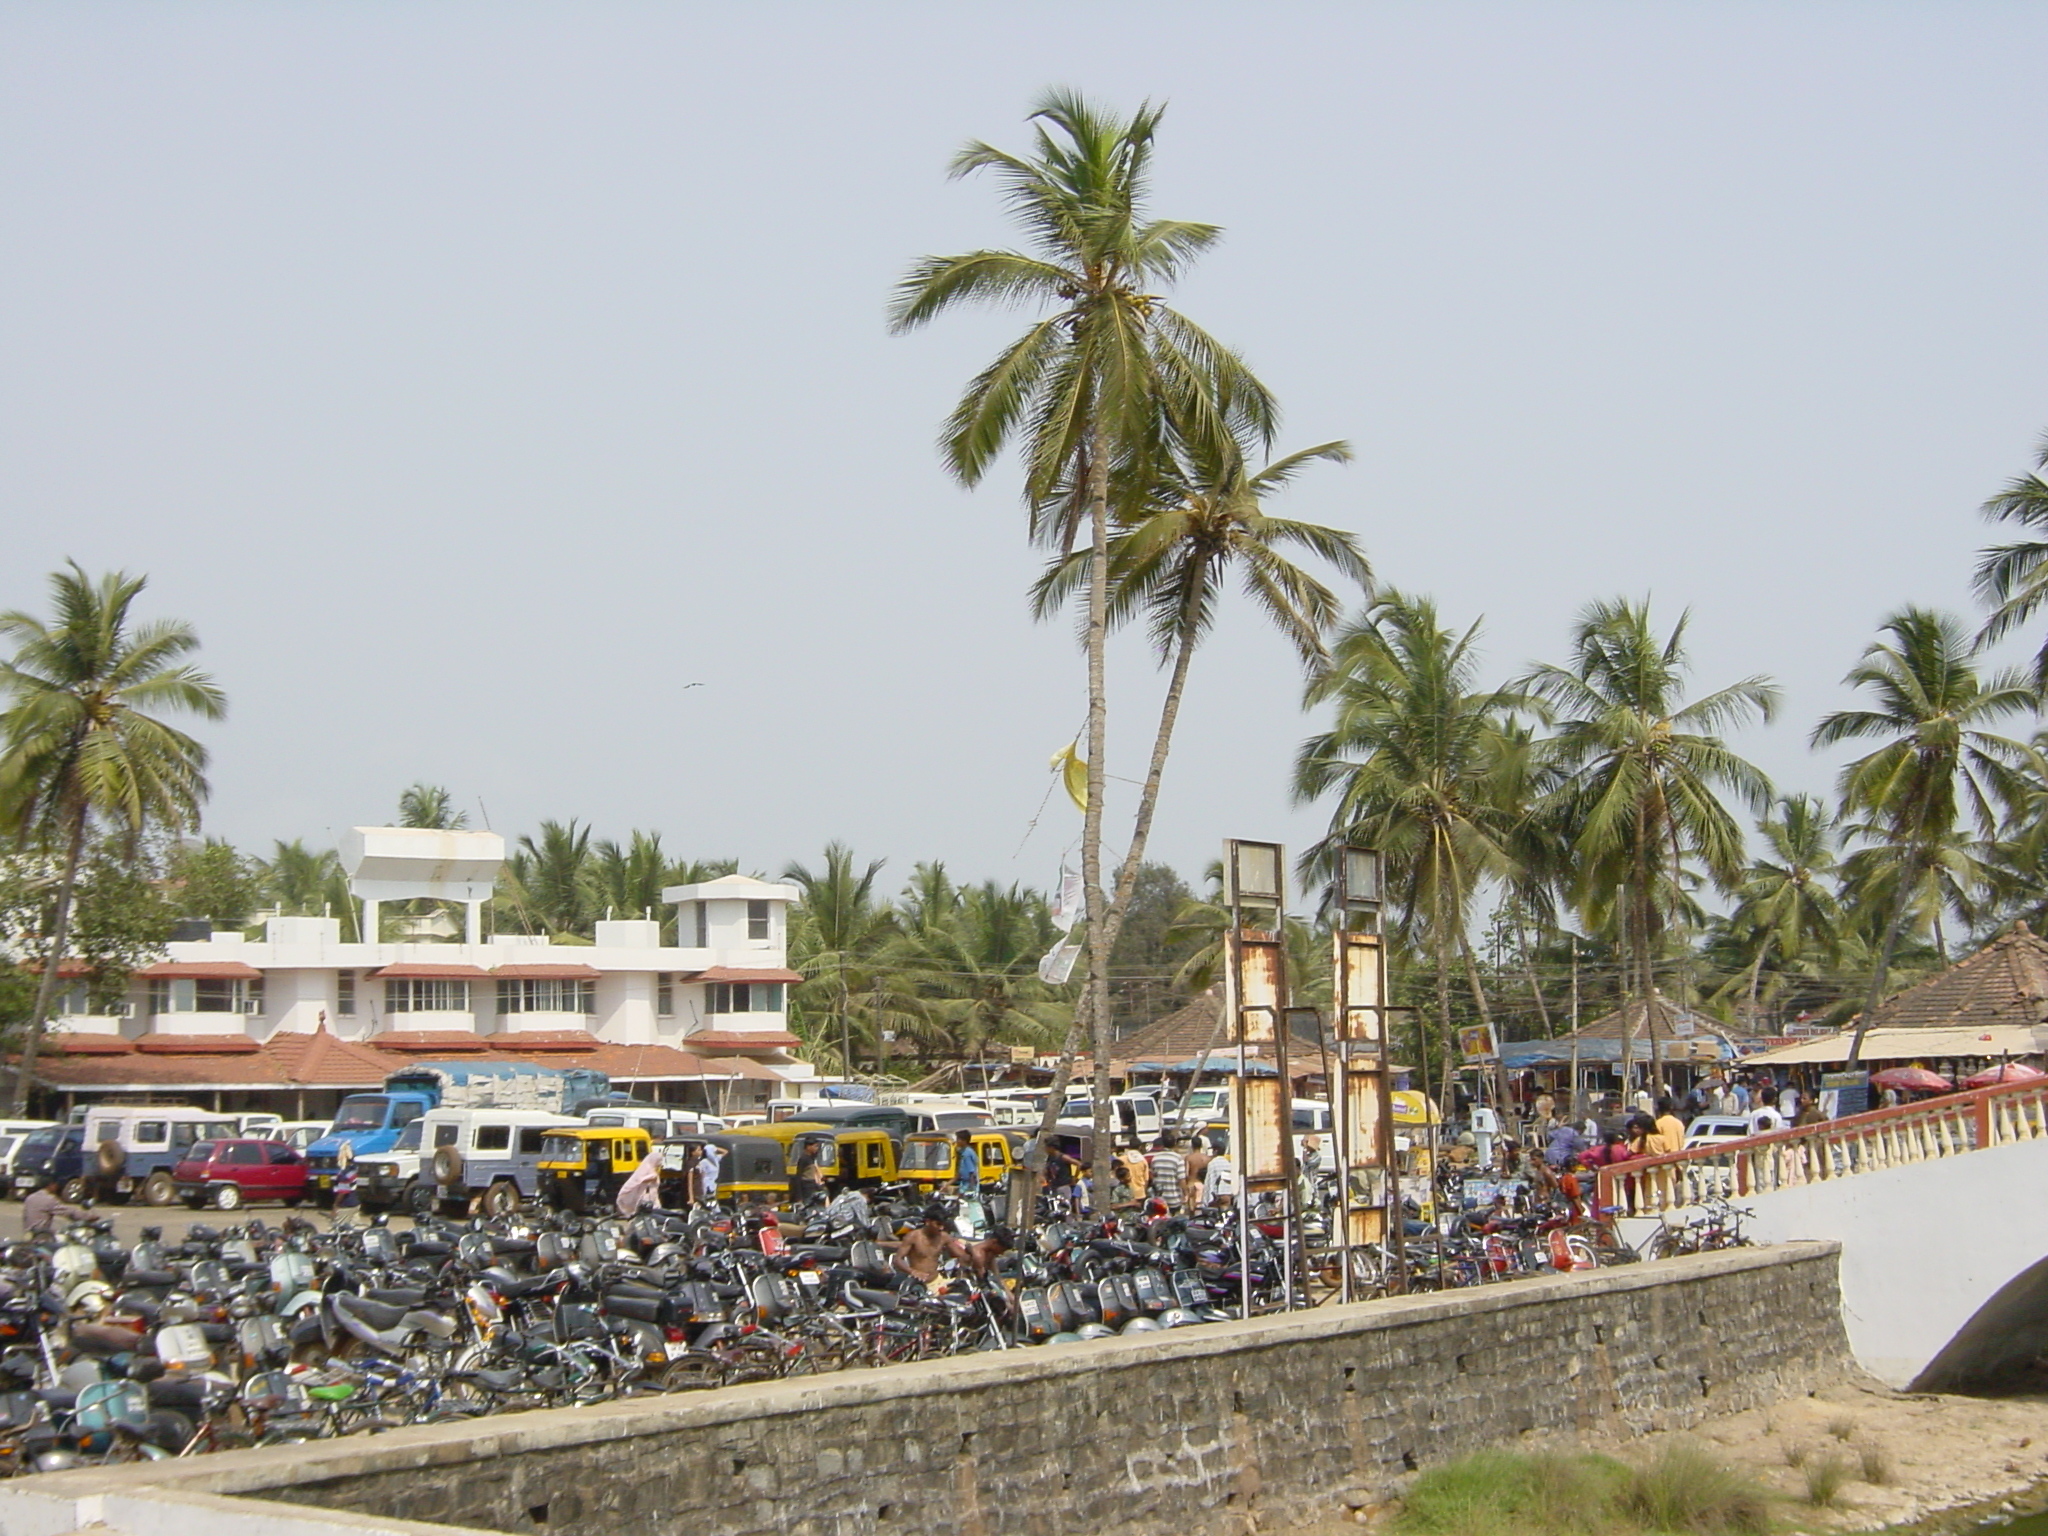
{"points": [[474, 377]]}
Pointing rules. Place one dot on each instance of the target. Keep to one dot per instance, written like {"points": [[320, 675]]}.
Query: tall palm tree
{"points": [[1786, 904], [304, 882], [629, 880], [1085, 390], [1423, 768], [2013, 578], [80, 744], [984, 961], [1643, 774], [1936, 764], [1177, 537]]}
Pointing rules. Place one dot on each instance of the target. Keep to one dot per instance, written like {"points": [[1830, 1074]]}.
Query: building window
{"points": [[345, 995], [703, 923], [187, 994], [541, 996], [757, 921], [425, 994], [665, 996], [744, 997]]}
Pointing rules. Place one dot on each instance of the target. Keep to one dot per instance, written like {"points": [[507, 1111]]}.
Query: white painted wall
{"points": [[1923, 1247]]}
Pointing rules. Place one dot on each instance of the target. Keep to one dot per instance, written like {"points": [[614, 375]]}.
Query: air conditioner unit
{"points": [[250, 1005], [125, 1009]]}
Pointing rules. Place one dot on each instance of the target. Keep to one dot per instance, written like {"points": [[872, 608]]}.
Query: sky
{"points": [[502, 391]]}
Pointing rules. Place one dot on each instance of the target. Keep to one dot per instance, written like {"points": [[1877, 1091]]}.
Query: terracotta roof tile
{"points": [[2005, 982]]}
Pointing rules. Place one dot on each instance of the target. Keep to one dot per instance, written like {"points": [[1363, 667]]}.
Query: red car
{"points": [[231, 1173]]}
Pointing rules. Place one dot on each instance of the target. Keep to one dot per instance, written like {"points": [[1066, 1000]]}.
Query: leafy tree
{"points": [[840, 940], [82, 746], [984, 961], [1936, 764], [628, 881], [1643, 775], [303, 882], [1146, 958], [1086, 391], [212, 880]]}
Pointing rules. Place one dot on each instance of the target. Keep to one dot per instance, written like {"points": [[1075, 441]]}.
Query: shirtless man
{"points": [[978, 1259], [918, 1255]]}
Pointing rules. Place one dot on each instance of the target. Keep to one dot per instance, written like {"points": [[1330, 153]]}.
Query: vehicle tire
{"points": [[501, 1199], [228, 1197], [195, 1203], [74, 1190], [446, 1169], [158, 1189], [418, 1200], [110, 1159]]}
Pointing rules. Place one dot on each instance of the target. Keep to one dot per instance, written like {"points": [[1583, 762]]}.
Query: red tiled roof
{"points": [[454, 1040], [741, 1040], [197, 1045], [410, 970], [547, 972], [72, 968], [322, 1060], [86, 1045], [2005, 982], [545, 1040], [200, 970], [740, 973]]}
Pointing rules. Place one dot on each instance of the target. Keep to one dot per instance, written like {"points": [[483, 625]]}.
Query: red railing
{"points": [[1880, 1138]]}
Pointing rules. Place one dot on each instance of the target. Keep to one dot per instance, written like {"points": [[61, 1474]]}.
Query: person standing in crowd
{"points": [[706, 1173], [966, 1165], [1788, 1102], [1670, 1129], [1169, 1172], [1219, 1181], [1198, 1156]]}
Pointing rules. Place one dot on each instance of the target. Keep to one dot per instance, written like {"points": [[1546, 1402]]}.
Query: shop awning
{"points": [[1907, 1044], [546, 973], [738, 973], [407, 970]]}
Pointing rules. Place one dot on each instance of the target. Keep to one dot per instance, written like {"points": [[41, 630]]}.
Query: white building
{"points": [[301, 1013]]}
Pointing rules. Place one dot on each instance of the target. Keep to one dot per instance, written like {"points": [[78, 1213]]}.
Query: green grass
{"points": [[1825, 1476], [1876, 1462], [1683, 1492]]}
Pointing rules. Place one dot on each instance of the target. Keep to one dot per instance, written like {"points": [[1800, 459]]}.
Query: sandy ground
{"points": [[1944, 1463]]}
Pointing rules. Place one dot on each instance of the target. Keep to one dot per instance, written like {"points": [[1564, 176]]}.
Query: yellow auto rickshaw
{"points": [[930, 1159], [751, 1169], [581, 1168]]}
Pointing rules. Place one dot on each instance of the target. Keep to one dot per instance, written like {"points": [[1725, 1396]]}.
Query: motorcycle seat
{"points": [[883, 1301], [396, 1296], [509, 1380]]}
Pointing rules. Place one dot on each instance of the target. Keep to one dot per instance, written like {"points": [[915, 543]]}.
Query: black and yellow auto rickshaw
{"points": [[858, 1157], [931, 1159], [751, 1169], [581, 1168]]}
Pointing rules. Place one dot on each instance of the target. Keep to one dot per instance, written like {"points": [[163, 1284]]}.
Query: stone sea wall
{"points": [[1225, 1428]]}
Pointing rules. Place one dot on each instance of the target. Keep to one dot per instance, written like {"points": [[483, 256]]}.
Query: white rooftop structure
{"points": [[407, 863]]}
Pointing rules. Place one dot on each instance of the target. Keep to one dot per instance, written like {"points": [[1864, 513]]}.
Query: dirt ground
{"points": [[1946, 1463]]}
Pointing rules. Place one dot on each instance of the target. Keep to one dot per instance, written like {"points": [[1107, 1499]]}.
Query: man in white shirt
{"points": [[1219, 1180]]}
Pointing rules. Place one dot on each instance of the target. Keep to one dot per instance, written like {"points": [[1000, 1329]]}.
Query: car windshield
{"points": [[409, 1138], [561, 1149], [927, 1156], [363, 1112], [41, 1144], [201, 1153]]}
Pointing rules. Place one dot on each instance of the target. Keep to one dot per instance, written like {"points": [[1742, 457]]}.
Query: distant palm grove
{"points": [[1559, 836]]}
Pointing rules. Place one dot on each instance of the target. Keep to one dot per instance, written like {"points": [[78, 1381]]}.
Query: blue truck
{"points": [[369, 1123]]}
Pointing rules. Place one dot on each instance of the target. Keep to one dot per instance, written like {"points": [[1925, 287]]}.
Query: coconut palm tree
{"points": [[1202, 514], [1087, 389], [627, 881], [839, 940], [304, 882], [2013, 578], [1643, 773], [81, 743], [1786, 906], [548, 879], [1936, 765], [1423, 767], [984, 966], [430, 806]]}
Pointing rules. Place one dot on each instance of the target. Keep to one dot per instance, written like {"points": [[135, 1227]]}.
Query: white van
{"points": [[657, 1120]]}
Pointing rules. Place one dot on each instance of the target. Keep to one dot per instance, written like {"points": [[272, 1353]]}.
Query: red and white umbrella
{"points": [[1911, 1080], [2004, 1072]]}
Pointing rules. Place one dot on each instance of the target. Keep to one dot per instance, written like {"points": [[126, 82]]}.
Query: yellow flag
{"points": [[1073, 772]]}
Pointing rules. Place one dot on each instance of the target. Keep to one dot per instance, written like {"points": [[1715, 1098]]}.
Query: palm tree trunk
{"points": [[1095, 905], [53, 957]]}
